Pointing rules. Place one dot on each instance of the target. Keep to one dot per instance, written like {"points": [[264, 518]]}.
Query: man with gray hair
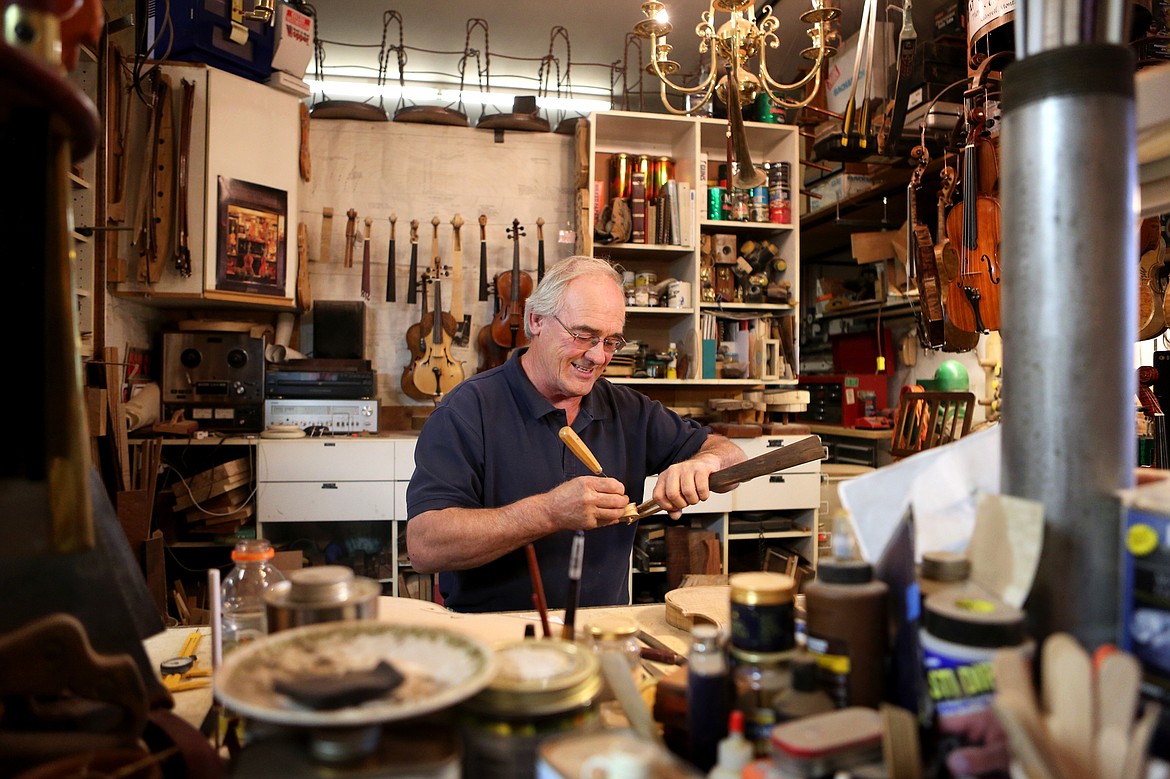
{"points": [[492, 474]]}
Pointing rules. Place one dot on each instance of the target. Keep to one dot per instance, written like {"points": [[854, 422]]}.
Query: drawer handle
{"points": [[776, 479], [329, 486], [775, 442]]}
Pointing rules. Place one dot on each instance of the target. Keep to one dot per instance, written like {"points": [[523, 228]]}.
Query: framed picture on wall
{"points": [[251, 248]]}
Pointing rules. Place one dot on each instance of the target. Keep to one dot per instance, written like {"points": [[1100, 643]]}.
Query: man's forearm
{"points": [[455, 539], [721, 447]]}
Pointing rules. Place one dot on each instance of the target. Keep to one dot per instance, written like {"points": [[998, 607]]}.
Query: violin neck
{"points": [[970, 194], [437, 326], [515, 268]]}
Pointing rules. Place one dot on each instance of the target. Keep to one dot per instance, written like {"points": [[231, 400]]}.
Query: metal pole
{"points": [[1068, 190]]}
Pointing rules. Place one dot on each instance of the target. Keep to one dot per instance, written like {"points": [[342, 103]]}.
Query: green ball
{"points": [[951, 376]]}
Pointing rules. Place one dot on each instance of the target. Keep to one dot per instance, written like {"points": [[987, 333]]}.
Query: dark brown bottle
{"points": [[847, 631]]}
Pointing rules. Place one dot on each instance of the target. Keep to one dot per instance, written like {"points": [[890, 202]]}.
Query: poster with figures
{"points": [[252, 233]]}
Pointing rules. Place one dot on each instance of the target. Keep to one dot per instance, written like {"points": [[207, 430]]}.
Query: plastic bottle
{"points": [[735, 751], [672, 365], [709, 692], [242, 592], [847, 631]]}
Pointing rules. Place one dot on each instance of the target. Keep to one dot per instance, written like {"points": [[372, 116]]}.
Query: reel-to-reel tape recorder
{"points": [[215, 378]]}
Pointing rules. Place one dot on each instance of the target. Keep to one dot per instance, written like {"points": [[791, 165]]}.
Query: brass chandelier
{"points": [[735, 43]]}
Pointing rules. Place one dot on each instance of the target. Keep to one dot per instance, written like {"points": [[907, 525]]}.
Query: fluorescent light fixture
{"points": [[501, 100]]}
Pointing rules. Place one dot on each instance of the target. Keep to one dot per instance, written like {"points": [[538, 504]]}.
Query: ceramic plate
{"points": [[442, 667]]}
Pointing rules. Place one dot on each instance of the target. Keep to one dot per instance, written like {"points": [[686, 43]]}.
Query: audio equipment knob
{"points": [[237, 358], [238, 388]]}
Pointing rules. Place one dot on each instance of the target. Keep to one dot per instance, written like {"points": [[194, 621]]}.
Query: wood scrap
{"points": [[121, 443]]}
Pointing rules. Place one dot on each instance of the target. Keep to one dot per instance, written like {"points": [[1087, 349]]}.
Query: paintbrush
{"points": [[576, 560]]}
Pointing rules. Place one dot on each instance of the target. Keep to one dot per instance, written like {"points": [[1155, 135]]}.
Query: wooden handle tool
{"points": [[578, 448], [803, 451]]}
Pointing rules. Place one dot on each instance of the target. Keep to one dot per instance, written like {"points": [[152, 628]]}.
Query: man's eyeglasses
{"points": [[610, 345]]}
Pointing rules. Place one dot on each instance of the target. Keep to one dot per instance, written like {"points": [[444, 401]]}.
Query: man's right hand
{"points": [[586, 502]]}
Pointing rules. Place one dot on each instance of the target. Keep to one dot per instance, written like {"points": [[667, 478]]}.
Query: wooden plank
{"points": [[186, 498]]}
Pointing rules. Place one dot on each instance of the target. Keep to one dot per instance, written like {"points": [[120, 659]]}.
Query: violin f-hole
{"points": [[990, 269]]}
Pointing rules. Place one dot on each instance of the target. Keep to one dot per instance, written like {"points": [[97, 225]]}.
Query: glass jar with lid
{"points": [[541, 689], [615, 633]]}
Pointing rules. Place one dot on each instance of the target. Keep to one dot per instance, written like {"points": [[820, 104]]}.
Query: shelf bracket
{"points": [[883, 224]]}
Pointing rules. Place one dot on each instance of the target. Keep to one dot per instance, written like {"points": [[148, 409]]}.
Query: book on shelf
{"points": [[686, 214], [674, 235], [638, 208]]}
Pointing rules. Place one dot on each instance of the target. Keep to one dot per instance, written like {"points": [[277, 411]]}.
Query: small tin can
{"points": [[645, 279], [762, 618], [644, 165], [663, 172], [320, 593], [715, 202], [621, 171]]}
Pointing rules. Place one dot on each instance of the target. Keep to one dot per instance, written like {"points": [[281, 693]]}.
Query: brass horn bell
{"points": [[746, 174]]}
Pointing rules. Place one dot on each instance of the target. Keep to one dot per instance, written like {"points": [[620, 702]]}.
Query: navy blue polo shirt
{"points": [[494, 440]]}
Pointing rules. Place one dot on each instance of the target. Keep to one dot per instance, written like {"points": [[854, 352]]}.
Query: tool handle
{"points": [[578, 447], [803, 451]]}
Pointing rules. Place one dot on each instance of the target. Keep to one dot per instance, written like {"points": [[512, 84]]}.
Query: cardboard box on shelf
{"points": [[836, 188], [839, 77]]}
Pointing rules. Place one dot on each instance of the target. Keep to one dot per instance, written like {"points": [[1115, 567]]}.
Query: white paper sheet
{"points": [[940, 485]]}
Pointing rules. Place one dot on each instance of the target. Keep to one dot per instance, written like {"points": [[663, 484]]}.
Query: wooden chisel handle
{"points": [[578, 447], [803, 451]]}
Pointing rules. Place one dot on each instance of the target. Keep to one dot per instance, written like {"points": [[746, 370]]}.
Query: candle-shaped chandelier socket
{"points": [[657, 21]]}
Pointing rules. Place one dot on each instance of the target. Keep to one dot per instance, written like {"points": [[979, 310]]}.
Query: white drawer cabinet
{"points": [[355, 485], [793, 494], [325, 501], [798, 487], [326, 480], [340, 459]]}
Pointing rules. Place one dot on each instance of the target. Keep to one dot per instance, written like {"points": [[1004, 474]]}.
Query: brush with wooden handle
{"points": [[590, 461]]}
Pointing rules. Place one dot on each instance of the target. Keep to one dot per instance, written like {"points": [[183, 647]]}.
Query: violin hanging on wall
{"points": [[947, 264], [432, 371], [921, 253], [973, 299], [436, 372], [512, 288]]}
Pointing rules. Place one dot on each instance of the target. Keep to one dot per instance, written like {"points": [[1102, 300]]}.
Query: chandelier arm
{"points": [[784, 102], [814, 72], [683, 111], [705, 85]]}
